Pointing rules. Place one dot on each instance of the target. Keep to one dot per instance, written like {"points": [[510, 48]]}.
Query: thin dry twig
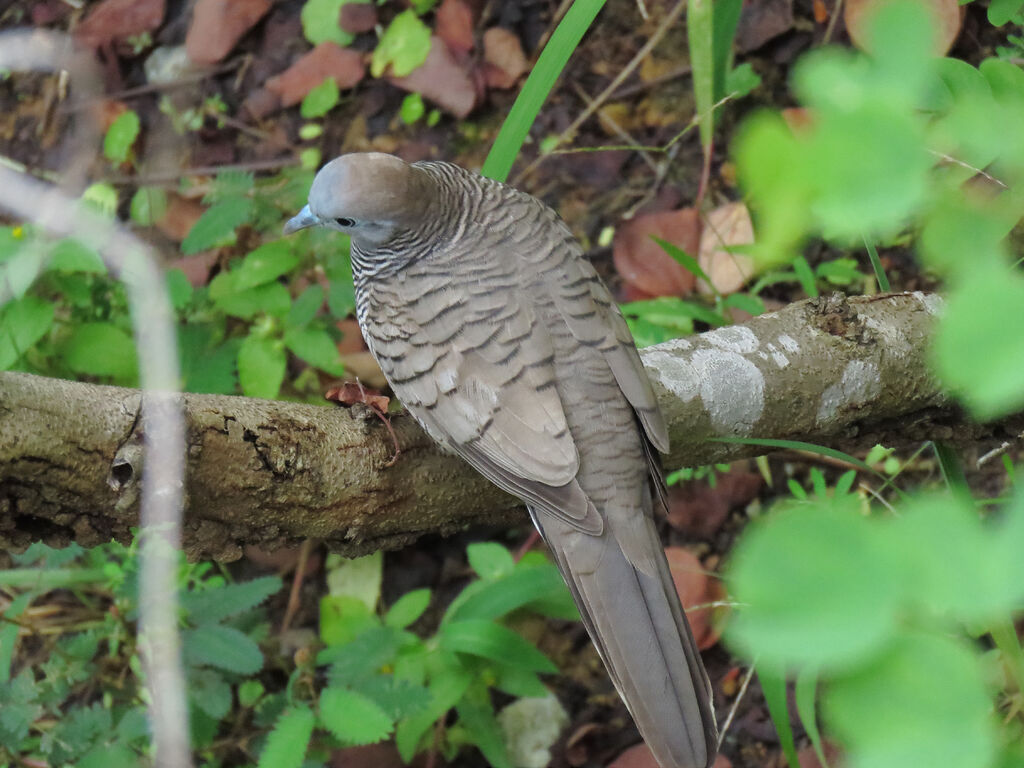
{"points": [[735, 705], [131, 260]]}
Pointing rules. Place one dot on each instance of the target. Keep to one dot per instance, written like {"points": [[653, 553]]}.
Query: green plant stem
{"points": [[1005, 637], [538, 85], [42, 578], [876, 264]]}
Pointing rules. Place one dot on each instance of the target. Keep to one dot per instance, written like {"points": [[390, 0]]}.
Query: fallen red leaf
{"points": [[112, 20], [503, 54], [644, 264], [695, 587], [326, 60], [352, 392], [454, 25], [218, 25], [357, 18]]}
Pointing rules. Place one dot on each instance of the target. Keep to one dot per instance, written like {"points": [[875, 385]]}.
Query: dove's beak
{"points": [[303, 219]]}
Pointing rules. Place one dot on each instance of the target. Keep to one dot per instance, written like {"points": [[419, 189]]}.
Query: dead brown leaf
{"points": [[726, 226], [454, 25], [351, 337], [112, 20], [442, 80], [947, 14], [643, 263], [326, 60], [638, 756], [504, 56], [384, 755], [357, 18], [698, 510], [695, 587], [761, 21], [364, 366], [179, 217], [218, 25]]}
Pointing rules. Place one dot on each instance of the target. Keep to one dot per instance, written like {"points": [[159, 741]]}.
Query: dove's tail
{"points": [[636, 622]]}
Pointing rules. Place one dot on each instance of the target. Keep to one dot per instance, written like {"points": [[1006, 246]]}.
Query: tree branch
{"points": [[845, 372]]}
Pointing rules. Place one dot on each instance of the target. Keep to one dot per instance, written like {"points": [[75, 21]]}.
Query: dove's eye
{"points": [[345, 222]]}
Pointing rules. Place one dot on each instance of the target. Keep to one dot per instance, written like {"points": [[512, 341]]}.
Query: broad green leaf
{"points": [[488, 640], [923, 701], [403, 46], [352, 717], [209, 691], [266, 263], [320, 100], [519, 682], [407, 609], [217, 225], [412, 108], [320, 22], [70, 255], [398, 698], [316, 347], [206, 365], [287, 743], [120, 136], [249, 692], [808, 601], [271, 299], [364, 655], [358, 577], [219, 603], [23, 322], [102, 197], [305, 307], [978, 351], [261, 366], [107, 755], [101, 349], [1002, 11], [490, 560], [148, 205], [342, 618], [507, 593], [179, 288], [222, 647]]}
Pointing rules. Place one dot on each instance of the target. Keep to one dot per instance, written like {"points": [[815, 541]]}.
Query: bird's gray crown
{"points": [[368, 187]]}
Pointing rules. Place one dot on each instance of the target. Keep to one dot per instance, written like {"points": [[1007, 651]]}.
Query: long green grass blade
{"points": [[806, 691], [774, 688], [800, 445], [876, 264], [700, 35], [537, 87]]}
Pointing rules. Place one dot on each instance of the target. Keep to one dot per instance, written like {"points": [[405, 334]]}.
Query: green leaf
{"points": [[1002, 11], [305, 307], [685, 260], [343, 618], [488, 640], [101, 349], [250, 692], [148, 205], [23, 322], [403, 46], [70, 255], [741, 80], [217, 225], [978, 349], [120, 136], [287, 744], [805, 695], [353, 718], [505, 594], [398, 698], [266, 263], [261, 366], [922, 702], [316, 347], [272, 298], [222, 647], [412, 108], [207, 366], [106, 755], [745, 302], [320, 100], [552, 61], [773, 685], [520, 683], [805, 275], [372, 649], [490, 560], [222, 602], [407, 608], [477, 717], [209, 691], [179, 288], [445, 690], [320, 22], [699, 30], [358, 577], [101, 197], [817, 605]]}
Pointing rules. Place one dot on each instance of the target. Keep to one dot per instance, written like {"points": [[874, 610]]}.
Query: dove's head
{"points": [[368, 195]]}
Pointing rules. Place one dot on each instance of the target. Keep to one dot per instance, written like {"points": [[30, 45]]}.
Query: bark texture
{"points": [[844, 372]]}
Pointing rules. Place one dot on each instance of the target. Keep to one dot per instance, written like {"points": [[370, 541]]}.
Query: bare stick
{"points": [[163, 428]]}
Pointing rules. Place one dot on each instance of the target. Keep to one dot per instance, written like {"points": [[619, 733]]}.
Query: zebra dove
{"points": [[501, 340]]}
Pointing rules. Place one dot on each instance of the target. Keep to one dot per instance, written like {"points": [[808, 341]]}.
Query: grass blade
{"points": [[774, 688], [552, 61]]}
